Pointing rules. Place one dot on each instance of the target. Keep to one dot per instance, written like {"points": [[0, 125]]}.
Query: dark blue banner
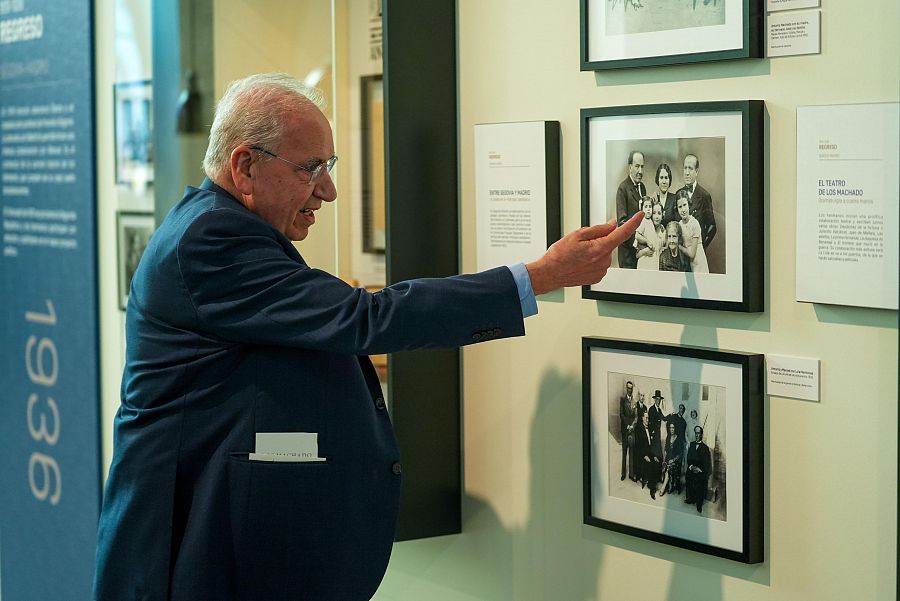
{"points": [[49, 399]]}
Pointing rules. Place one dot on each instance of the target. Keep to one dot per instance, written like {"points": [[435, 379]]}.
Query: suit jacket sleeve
{"points": [[705, 460], [246, 287], [707, 220], [622, 204]]}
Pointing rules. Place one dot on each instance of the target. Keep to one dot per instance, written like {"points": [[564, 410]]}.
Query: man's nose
{"points": [[325, 188]]}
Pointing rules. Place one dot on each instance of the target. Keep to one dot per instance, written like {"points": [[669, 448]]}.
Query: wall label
{"points": [[792, 377]]}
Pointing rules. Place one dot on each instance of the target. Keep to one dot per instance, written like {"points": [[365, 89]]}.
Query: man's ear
{"points": [[241, 175]]}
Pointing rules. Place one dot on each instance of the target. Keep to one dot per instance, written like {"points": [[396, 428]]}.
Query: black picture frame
{"points": [[133, 232], [736, 33], [708, 380], [133, 129], [726, 139], [373, 190]]}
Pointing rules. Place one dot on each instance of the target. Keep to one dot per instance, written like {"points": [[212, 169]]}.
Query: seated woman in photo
{"points": [[671, 258], [692, 234], [672, 460], [655, 238]]}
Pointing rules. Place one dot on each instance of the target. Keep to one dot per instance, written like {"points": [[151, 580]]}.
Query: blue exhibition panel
{"points": [[49, 398]]}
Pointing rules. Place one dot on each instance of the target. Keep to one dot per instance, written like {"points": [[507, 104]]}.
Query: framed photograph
{"points": [[134, 133], [639, 33], [373, 205], [696, 170], [133, 231], [673, 445]]}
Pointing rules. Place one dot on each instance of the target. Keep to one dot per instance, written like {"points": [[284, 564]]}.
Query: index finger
{"points": [[599, 230], [626, 230]]}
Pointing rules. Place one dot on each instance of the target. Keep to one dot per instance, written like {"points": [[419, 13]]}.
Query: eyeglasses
{"points": [[314, 172]]}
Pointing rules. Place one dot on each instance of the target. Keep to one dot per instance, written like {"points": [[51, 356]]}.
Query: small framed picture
{"points": [[616, 34], [133, 231], [373, 199], [133, 105], [673, 445], [696, 171]]}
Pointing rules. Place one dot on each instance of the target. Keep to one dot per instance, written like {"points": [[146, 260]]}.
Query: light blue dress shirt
{"points": [[526, 292]]}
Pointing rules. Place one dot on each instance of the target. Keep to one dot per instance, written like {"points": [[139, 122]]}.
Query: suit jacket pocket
{"points": [[285, 518]]}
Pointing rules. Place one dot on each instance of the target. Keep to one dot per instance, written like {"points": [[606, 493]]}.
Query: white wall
{"points": [[831, 490], [256, 36], [352, 22]]}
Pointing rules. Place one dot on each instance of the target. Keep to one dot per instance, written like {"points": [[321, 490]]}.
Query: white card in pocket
{"points": [[287, 447]]}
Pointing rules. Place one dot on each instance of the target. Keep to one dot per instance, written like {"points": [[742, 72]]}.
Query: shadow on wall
{"points": [[683, 581], [543, 560], [490, 562], [554, 556]]}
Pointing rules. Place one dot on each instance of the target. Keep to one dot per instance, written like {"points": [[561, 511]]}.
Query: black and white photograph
{"points": [[617, 34], [134, 133], [695, 171], [133, 233], [663, 179], [673, 445], [667, 444]]}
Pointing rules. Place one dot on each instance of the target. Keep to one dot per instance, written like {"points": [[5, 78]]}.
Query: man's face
{"points": [[698, 434], [681, 410], [690, 170], [282, 194], [629, 388], [636, 168]]}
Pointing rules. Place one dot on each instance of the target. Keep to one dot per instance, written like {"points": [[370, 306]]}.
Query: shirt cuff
{"points": [[526, 292]]}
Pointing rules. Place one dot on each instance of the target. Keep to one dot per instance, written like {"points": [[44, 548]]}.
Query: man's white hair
{"points": [[252, 112]]}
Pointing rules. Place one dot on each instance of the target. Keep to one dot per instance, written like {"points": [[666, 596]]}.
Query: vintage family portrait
{"points": [[672, 440], [679, 181], [695, 171]]}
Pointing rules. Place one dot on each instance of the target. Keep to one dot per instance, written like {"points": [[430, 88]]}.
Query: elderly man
{"points": [[700, 200], [627, 417], [231, 336], [699, 464], [649, 455], [628, 202]]}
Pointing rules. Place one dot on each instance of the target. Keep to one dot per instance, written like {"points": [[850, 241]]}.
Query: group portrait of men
{"points": [[659, 450]]}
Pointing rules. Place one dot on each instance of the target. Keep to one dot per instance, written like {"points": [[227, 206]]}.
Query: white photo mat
{"points": [[726, 534], [724, 287]]}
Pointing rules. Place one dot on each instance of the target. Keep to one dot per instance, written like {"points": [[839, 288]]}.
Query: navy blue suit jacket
{"points": [[230, 333]]}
